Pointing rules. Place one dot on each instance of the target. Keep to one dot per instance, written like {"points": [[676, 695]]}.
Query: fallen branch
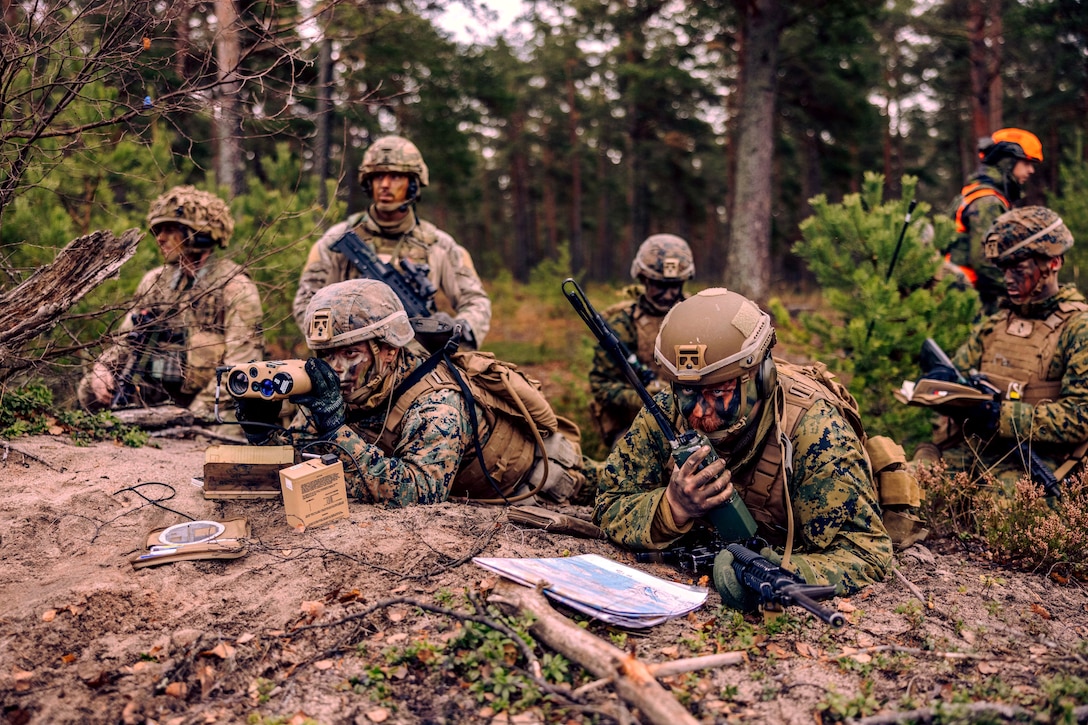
{"points": [[632, 679], [188, 431], [33, 307], [910, 585]]}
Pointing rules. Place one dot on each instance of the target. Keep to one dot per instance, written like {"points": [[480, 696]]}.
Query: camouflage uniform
{"points": [[973, 220], [840, 535], [663, 258], [1054, 427], [434, 436], [205, 321], [418, 445], [451, 266], [419, 241], [992, 191]]}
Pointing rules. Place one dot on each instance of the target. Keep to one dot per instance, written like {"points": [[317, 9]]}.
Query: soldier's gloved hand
{"points": [[734, 594], [328, 411], [264, 414], [982, 419], [798, 565]]}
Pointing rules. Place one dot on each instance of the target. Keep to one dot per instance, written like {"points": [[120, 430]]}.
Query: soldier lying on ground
{"points": [[783, 445], [413, 429]]}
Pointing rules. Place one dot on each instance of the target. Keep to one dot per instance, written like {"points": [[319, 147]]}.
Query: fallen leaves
{"points": [[222, 650]]}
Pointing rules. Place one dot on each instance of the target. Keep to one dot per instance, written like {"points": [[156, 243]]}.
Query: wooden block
{"points": [[240, 472]]}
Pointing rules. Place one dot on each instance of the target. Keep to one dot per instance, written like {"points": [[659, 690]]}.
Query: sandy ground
{"points": [[86, 638]]}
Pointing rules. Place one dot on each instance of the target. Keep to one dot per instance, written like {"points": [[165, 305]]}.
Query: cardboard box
{"points": [[245, 471], [314, 493]]}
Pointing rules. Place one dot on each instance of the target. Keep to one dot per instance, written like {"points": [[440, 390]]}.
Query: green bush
{"points": [[878, 319]]}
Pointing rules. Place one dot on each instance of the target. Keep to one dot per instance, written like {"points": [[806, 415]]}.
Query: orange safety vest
{"points": [[971, 193]]}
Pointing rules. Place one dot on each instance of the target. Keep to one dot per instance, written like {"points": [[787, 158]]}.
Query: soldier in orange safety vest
{"points": [[1007, 160]]}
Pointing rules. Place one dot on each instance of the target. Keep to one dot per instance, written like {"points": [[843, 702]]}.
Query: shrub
{"points": [[881, 312]]}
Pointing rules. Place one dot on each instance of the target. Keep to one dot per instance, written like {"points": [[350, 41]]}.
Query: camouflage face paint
{"points": [[662, 295], [351, 364], [1024, 280], [709, 409]]}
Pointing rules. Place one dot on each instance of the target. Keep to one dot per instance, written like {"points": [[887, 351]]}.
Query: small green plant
{"points": [[914, 611], [837, 707], [619, 639], [881, 312], [30, 410]]}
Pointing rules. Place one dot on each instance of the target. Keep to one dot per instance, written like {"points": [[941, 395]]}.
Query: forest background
{"points": [[553, 150]]}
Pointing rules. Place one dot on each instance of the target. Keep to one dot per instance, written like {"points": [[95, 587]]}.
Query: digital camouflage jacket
{"points": [[839, 536], [614, 396], [1054, 427], [452, 270], [435, 434]]}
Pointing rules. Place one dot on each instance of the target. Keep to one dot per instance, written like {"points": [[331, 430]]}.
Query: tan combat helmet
{"points": [[348, 312], [204, 213], [393, 154], [1027, 232], [714, 337], [664, 258]]}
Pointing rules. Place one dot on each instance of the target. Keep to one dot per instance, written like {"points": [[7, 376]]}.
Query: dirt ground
{"points": [[86, 638]]}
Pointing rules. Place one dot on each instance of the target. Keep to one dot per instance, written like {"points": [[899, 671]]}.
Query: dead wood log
{"points": [[34, 306], [631, 677], [160, 416]]}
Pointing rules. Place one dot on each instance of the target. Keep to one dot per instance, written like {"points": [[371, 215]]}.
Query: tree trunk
{"points": [[323, 140], [748, 261], [551, 213], [524, 238], [34, 306], [227, 116], [984, 38], [574, 161], [603, 254]]}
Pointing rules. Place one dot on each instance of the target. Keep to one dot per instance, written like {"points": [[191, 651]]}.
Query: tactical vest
{"points": [[1018, 352], [646, 327], [413, 245], [194, 336], [969, 195], [510, 449], [763, 486]]}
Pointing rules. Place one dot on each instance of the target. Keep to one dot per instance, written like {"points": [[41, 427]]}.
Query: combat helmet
{"points": [[204, 213], [663, 258], [393, 154], [714, 337], [1010, 143], [1026, 232], [353, 311]]}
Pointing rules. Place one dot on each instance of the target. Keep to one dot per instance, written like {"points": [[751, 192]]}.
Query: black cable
{"points": [[155, 501]]}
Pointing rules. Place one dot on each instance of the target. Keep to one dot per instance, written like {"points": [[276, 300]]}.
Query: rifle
{"points": [[936, 363], [778, 587], [773, 585], [732, 519], [145, 334], [412, 285]]}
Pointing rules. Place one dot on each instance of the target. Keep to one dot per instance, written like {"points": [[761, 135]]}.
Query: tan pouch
{"points": [[542, 518], [231, 543]]}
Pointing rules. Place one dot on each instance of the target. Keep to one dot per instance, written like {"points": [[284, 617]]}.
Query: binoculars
{"points": [[269, 380]]}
